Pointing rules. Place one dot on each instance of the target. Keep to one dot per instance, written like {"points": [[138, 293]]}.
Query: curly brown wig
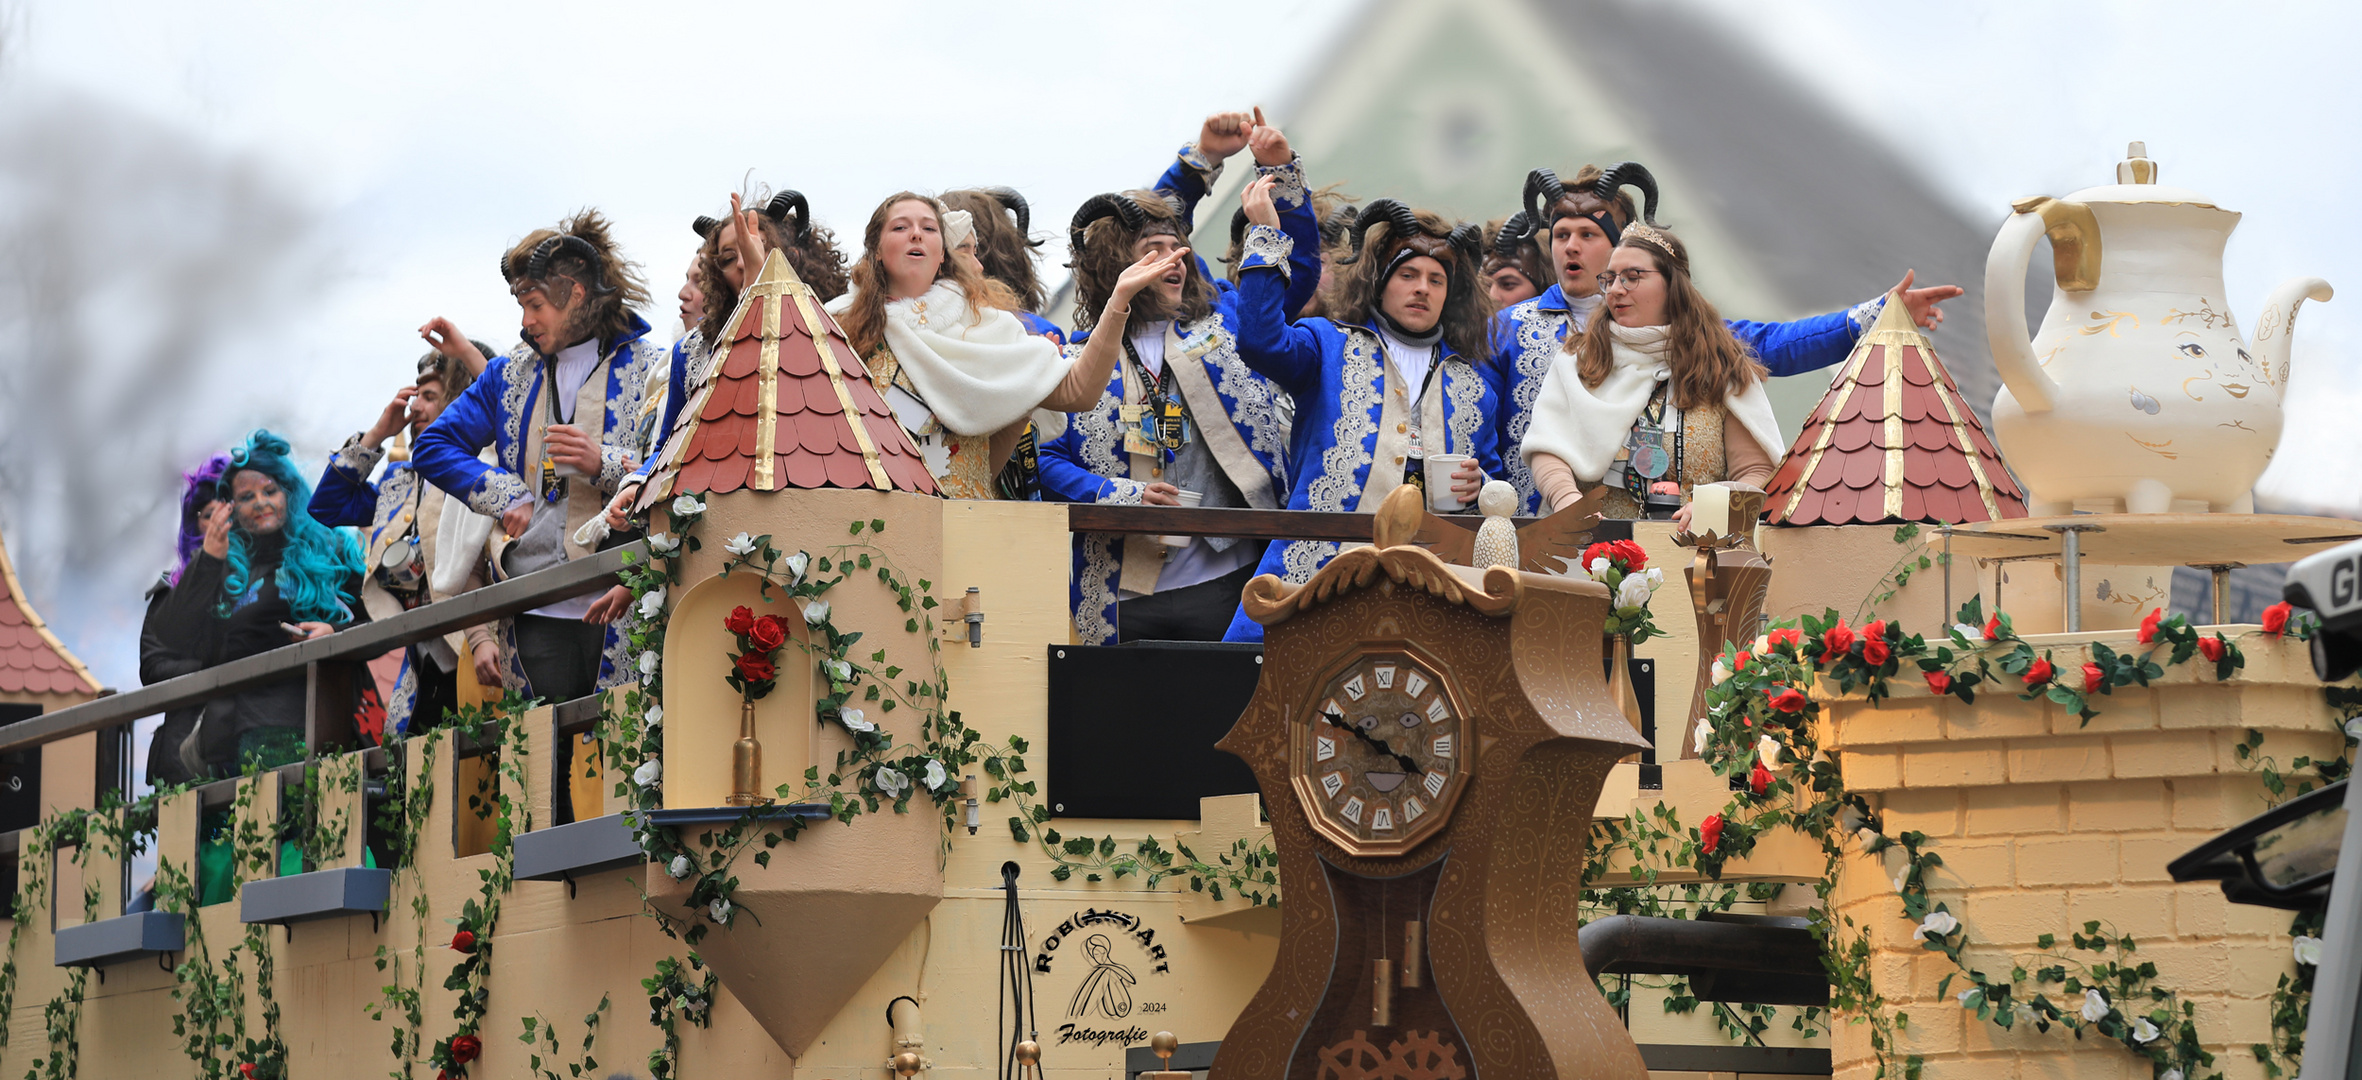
{"points": [[1361, 283], [1106, 251], [1003, 248], [864, 322], [1709, 364], [584, 255], [817, 261]]}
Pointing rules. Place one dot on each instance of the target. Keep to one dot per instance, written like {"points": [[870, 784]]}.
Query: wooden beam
{"points": [[355, 646]]}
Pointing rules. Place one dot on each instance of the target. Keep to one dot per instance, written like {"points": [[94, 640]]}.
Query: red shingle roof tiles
{"points": [[1893, 441], [32, 660], [773, 413]]}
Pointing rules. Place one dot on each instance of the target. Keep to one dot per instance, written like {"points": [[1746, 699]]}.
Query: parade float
{"points": [[1793, 791]]}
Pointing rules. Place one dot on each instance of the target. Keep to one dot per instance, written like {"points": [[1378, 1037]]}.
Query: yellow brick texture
{"points": [[2163, 753], [1895, 721], [2115, 806], [2072, 860], [1999, 714], [2058, 759], [1879, 769], [1956, 766], [2143, 912], [2128, 709], [1935, 811], [2012, 917], [2016, 809]]}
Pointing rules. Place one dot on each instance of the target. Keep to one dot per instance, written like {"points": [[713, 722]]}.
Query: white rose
{"points": [[740, 545], [838, 670], [935, 775], [1970, 631], [816, 612], [655, 716], [852, 720], [2170, 1074], [1634, 592], [679, 868], [1768, 749], [652, 604], [795, 567], [663, 543], [720, 910], [1762, 644], [648, 662], [687, 505], [648, 772], [1655, 577], [2143, 1031], [1969, 997], [1869, 836], [1598, 568], [1850, 818], [2095, 1006], [1901, 880], [891, 783], [2354, 728], [2308, 950], [1937, 924], [1699, 735], [2022, 1012], [1721, 673]]}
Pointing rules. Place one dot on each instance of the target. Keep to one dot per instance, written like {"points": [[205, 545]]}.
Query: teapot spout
{"points": [[2276, 329]]}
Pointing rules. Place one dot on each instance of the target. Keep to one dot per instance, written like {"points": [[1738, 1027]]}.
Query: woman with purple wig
{"points": [[174, 638]]}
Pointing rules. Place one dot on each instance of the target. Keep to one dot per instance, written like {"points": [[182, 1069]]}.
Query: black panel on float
{"points": [[20, 775], [1132, 727]]}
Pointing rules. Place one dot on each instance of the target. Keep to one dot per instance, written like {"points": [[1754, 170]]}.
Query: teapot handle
{"points": [[2075, 247]]}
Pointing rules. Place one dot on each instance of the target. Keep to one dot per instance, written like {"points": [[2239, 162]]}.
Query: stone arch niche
{"points": [[701, 710]]}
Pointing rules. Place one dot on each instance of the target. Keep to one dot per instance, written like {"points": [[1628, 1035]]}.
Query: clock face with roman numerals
{"points": [[1378, 752]]}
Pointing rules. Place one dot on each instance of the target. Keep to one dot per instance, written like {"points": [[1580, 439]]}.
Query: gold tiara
{"points": [[1648, 234]]}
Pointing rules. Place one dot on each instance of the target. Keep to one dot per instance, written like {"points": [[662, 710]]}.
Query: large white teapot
{"points": [[2138, 393]]}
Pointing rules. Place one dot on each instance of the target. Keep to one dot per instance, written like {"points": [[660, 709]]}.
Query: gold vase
{"points": [[746, 760], [1619, 678]]}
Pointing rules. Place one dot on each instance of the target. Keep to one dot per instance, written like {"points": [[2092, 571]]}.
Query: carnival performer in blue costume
{"points": [[1382, 384], [1183, 413], [1578, 227], [560, 413], [401, 521]]}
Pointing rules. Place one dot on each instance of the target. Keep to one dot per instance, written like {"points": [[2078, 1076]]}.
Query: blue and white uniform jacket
{"points": [[1528, 337], [1086, 463], [504, 409], [1353, 416], [399, 506]]}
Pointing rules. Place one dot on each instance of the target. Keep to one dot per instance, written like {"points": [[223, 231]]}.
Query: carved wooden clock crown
{"points": [[1430, 741]]}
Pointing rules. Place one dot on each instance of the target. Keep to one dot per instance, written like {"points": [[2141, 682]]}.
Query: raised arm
{"points": [[1286, 353], [1094, 363], [1809, 344], [446, 451], [1276, 161]]}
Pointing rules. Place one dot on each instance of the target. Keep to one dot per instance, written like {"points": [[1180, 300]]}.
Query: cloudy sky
{"points": [[378, 156]]}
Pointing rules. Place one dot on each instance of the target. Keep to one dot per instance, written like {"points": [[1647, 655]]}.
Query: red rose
{"points": [[754, 668], [768, 634], [2093, 678], [465, 1048], [1874, 651], [1993, 627], [2211, 647], [2038, 672], [246, 1070], [464, 941], [2149, 625], [1786, 635], [1940, 681], [1875, 628], [741, 620], [1632, 555], [1836, 641], [1740, 664], [1759, 778], [1710, 833], [2276, 617], [1596, 552], [1787, 700]]}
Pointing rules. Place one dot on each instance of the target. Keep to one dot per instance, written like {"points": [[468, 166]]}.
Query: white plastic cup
{"points": [[1188, 499], [1440, 468]]}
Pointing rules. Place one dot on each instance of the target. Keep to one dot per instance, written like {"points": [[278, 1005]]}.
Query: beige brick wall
{"points": [[2045, 823]]}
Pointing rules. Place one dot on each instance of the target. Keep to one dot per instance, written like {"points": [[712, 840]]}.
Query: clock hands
{"points": [[1408, 765]]}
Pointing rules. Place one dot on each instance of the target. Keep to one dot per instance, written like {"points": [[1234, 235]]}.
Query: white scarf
{"points": [[977, 372], [1584, 426]]}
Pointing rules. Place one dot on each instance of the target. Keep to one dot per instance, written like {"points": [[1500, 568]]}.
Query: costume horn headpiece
{"points": [[1402, 222], [1515, 233], [1014, 204], [537, 264], [779, 206], [1117, 205], [1543, 192], [705, 225]]}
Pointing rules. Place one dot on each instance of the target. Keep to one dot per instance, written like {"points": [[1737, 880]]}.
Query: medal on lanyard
{"points": [[553, 486], [1159, 425]]}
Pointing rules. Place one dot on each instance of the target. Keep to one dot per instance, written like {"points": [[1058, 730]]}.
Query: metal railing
{"points": [[332, 666]]}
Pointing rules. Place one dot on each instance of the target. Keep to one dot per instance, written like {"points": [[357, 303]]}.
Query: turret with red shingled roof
{"points": [[1893, 441], [787, 406], [33, 662]]}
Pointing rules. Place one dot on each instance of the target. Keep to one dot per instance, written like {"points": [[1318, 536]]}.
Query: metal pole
{"points": [[2071, 569]]}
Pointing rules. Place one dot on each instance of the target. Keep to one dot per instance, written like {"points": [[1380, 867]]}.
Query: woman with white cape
{"points": [[945, 347], [1660, 398]]}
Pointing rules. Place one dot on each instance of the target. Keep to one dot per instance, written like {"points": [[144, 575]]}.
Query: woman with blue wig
{"points": [[271, 577]]}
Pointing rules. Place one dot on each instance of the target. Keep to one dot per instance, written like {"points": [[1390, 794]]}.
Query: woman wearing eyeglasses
{"points": [[1661, 397]]}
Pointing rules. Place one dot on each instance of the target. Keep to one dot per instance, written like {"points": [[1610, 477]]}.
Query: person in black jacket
{"points": [[269, 577], [173, 644]]}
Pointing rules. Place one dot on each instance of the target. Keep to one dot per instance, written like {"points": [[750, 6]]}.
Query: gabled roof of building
{"points": [[1892, 441], [787, 405], [33, 660]]}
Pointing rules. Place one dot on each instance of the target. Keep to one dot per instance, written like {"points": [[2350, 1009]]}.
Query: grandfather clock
{"points": [[1430, 741]]}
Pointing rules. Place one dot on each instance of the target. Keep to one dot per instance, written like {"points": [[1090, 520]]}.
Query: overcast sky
{"points": [[415, 141]]}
